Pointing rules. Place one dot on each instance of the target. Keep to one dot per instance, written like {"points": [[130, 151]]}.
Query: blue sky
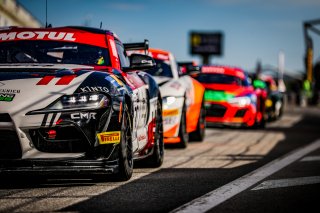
{"points": [[253, 29]]}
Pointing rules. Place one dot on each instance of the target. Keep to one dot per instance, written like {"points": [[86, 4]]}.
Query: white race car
{"points": [[71, 101], [183, 106]]}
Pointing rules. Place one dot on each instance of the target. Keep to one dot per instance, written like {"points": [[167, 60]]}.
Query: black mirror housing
{"points": [[189, 68], [193, 70], [140, 62]]}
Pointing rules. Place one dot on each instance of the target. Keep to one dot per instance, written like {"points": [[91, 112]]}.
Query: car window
{"points": [[124, 61], [220, 79], [53, 52], [162, 68]]}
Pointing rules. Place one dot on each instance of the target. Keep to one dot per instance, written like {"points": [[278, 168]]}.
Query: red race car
{"points": [[230, 99]]}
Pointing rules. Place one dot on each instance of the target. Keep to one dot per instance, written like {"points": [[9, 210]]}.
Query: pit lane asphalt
{"points": [[225, 155]]}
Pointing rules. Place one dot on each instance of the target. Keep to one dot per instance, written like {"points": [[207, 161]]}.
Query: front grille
{"points": [[5, 117], [240, 113], [216, 110], [68, 139], [10, 145]]}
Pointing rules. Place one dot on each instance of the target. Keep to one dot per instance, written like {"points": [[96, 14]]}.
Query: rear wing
{"points": [[137, 46]]}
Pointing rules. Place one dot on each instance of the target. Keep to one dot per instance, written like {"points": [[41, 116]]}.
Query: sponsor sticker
{"points": [[142, 137], [83, 115], [170, 120], [10, 91], [170, 112], [175, 85], [34, 35], [109, 137], [117, 80], [114, 80], [94, 89], [219, 70], [6, 97]]}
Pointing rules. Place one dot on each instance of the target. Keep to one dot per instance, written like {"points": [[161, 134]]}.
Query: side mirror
{"points": [[193, 70], [140, 62], [189, 68]]}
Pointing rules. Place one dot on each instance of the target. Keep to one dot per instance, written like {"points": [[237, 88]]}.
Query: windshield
{"points": [[52, 52], [162, 68], [221, 79]]}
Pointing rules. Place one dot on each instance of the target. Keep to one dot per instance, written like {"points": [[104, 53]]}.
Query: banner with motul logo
{"points": [[63, 34]]}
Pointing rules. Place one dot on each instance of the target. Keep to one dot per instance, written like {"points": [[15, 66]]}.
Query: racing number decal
{"points": [[109, 137]]}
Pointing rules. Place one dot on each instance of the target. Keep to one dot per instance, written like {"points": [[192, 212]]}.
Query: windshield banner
{"points": [[64, 34], [223, 70]]}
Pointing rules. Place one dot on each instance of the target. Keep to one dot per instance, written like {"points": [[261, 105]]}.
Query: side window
{"points": [[124, 61]]}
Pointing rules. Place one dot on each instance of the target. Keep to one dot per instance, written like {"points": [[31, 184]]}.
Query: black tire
{"points": [[156, 159], [199, 133], [183, 134], [260, 125], [125, 149]]}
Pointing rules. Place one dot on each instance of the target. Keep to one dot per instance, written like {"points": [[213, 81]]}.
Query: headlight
{"points": [[240, 101], [81, 101], [169, 100]]}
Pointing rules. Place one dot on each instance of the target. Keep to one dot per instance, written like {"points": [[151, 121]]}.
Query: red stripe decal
{"points": [[45, 80], [59, 121], [65, 80]]}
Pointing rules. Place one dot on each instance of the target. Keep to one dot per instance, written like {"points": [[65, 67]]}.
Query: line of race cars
{"points": [[78, 100]]}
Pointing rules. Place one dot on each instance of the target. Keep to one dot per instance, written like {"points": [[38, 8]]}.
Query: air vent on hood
{"points": [[5, 117]]}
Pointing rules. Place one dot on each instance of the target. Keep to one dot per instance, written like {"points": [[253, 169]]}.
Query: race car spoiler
{"points": [[137, 46]]}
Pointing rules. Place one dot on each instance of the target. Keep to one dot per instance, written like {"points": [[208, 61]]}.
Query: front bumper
{"points": [[222, 113]]}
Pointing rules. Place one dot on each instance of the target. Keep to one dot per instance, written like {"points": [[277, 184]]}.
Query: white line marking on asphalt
{"points": [[311, 158], [272, 184], [220, 195]]}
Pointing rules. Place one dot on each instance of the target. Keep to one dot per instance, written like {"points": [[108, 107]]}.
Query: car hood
{"points": [[170, 86], [161, 80], [27, 88]]}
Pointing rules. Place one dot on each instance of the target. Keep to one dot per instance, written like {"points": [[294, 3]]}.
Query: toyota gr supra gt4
{"points": [[183, 106], [71, 100], [229, 97]]}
